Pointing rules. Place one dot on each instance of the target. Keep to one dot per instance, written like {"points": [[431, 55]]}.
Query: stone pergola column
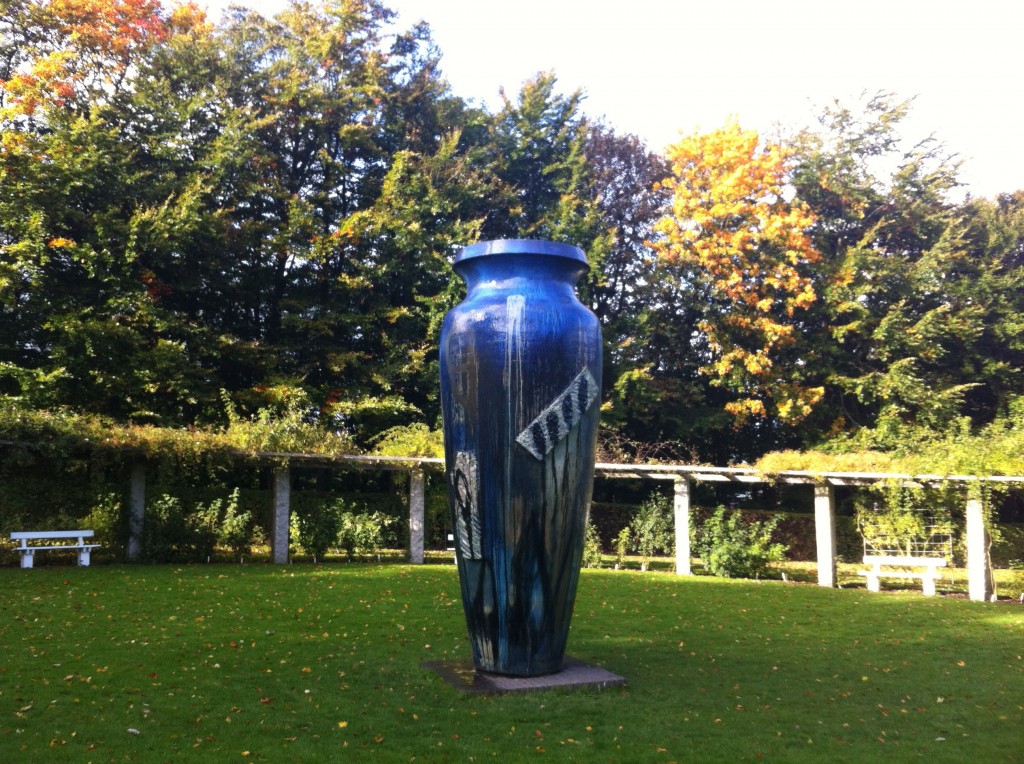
{"points": [[417, 493], [681, 504], [281, 519], [825, 533], [136, 511], [979, 575]]}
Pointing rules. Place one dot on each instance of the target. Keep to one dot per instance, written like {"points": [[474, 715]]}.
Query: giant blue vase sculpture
{"points": [[520, 385]]}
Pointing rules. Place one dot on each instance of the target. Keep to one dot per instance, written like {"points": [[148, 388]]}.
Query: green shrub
{"points": [[1008, 546], [1013, 586], [363, 532], [283, 427], [621, 545], [172, 534], [734, 548], [165, 533], [204, 526], [591, 546], [235, 531], [318, 527], [653, 528], [108, 518]]}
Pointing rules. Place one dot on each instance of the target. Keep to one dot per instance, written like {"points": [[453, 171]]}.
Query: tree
{"points": [[344, 213], [79, 322], [742, 242], [918, 291], [192, 215], [537, 149], [626, 178], [403, 285]]}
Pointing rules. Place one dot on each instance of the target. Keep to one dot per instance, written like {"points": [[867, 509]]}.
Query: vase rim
{"points": [[521, 247]]}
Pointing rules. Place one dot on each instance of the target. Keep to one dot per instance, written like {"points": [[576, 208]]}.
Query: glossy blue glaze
{"points": [[520, 385]]}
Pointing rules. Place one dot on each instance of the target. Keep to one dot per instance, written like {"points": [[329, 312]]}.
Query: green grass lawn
{"points": [[311, 663]]}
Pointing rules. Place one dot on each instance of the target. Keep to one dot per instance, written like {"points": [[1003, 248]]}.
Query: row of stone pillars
{"points": [[978, 570], [979, 573], [281, 514]]}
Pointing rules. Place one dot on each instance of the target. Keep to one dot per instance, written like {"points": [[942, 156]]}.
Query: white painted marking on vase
{"points": [[515, 310], [560, 416], [466, 484]]}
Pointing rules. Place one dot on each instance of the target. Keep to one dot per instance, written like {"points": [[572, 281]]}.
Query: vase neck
{"points": [[502, 272]]}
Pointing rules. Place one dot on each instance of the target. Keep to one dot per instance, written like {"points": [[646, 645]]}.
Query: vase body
{"points": [[520, 387]]}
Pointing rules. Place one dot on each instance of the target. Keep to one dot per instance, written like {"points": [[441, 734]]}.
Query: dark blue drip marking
{"points": [[538, 438], [552, 422], [581, 394], [567, 411]]}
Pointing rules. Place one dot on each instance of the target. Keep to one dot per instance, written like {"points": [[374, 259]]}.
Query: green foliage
{"points": [[269, 207], [957, 448], [591, 546], [62, 433], [901, 523], [288, 428], [827, 461], [172, 533], [363, 533], [368, 416], [166, 536], [897, 518], [1008, 546], [108, 517], [1013, 585], [318, 527], [621, 546], [204, 525], [894, 527], [733, 547], [235, 527], [917, 290], [652, 529], [415, 440]]}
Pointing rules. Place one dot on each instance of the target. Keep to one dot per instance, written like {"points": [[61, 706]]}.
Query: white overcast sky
{"points": [[659, 68]]}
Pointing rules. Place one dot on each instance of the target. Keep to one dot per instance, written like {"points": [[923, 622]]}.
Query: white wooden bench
{"points": [[879, 561], [28, 544]]}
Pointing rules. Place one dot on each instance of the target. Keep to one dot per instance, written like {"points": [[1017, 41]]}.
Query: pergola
{"points": [[822, 483]]}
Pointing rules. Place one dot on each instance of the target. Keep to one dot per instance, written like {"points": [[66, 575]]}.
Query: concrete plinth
{"points": [[574, 675]]}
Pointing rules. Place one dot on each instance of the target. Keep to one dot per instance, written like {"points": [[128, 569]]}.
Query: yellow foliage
{"points": [[733, 225], [818, 461], [746, 408]]}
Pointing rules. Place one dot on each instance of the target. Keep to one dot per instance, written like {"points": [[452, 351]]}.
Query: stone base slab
{"points": [[574, 674]]}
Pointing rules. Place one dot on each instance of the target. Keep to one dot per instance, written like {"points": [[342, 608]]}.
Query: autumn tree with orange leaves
{"points": [[79, 49], [737, 236]]}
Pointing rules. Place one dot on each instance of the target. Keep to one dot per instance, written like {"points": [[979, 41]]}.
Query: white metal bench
{"points": [[28, 544], [879, 561]]}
